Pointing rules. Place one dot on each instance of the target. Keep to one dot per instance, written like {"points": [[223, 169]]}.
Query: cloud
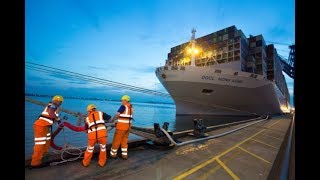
{"points": [[85, 9], [78, 82], [34, 78], [110, 93], [42, 80], [145, 37], [291, 91], [98, 68], [290, 83], [278, 31], [145, 69], [136, 75], [156, 39], [68, 83]]}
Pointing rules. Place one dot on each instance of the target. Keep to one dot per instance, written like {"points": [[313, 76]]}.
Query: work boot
{"points": [[85, 165], [101, 165], [36, 167], [113, 157]]}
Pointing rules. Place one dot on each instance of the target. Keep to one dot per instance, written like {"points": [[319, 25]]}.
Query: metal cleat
{"points": [[199, 128], [160, 134]]}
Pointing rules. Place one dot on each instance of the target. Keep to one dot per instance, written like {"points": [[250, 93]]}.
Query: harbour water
{"points": [[145, 115]]}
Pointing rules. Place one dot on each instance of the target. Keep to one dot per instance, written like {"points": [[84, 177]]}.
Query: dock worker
{"points": [[123, 120], [41, 128], [97, 133]]}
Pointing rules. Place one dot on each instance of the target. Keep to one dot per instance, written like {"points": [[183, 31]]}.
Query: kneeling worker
{"points": [[97, 132]]}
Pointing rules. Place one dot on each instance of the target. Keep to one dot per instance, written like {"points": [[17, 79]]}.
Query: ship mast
{"points": [[193, 43]]}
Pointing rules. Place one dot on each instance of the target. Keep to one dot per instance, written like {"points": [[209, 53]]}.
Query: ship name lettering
{"points": [[207, 77], [224, 79]]}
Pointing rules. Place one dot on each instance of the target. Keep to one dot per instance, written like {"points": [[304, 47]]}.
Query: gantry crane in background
{"points": [[288, 64]]}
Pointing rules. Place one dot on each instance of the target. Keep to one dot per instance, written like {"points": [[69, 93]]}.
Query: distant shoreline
{"points": [[89, 98]]}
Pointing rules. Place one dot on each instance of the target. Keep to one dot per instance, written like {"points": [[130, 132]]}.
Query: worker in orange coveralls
{"points": [[97, 132], [123, 120], [41, 127]]}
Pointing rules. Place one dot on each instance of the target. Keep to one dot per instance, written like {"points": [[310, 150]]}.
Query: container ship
{"points": [[225, 73]]}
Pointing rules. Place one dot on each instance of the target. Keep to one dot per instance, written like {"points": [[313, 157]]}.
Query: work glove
{"points": [[59, 122]]}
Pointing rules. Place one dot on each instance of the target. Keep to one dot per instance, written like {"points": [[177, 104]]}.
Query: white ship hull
{"points": [[231, 94]]}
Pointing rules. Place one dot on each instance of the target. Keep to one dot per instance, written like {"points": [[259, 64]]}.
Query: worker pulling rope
{"points": [[69, 149]]}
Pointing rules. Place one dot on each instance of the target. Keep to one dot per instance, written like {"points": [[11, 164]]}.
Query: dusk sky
{"points": [[125, 40]]}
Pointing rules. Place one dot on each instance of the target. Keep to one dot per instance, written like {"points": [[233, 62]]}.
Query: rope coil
{"points": [[69, 150]]}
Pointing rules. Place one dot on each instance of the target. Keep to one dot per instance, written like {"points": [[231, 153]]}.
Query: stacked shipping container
{"points": [[274, 69], [257, 49], [226, 45]]}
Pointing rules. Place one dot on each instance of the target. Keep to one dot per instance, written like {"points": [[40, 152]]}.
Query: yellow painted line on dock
{"points": [[252, 154], [264, 143], [196, 168], [274, 124], [272, 137], [228, 170], [214, 169]]}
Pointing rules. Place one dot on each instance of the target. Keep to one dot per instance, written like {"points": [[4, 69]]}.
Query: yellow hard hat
{"points": [[57, 98], [91, 106], [125, 97]]}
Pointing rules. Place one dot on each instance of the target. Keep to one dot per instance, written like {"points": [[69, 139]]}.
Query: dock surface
{"points": [[249, 153]]}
